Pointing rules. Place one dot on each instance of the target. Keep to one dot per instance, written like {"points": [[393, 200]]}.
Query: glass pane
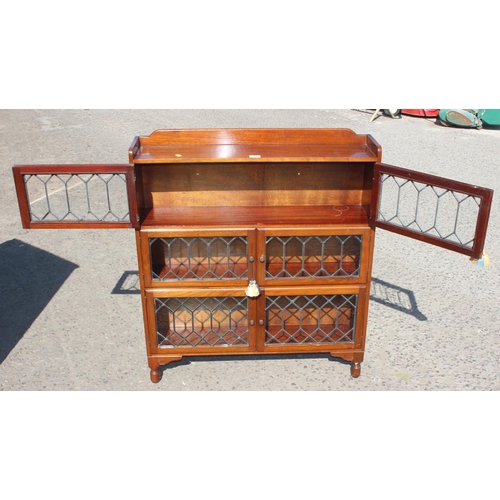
{"points": [[439, 211], [319, 319], [202, 322], [198, 258], [313, 256], [92, 197], [427, 209]]}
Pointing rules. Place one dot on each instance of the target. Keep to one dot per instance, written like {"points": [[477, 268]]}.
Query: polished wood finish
{"points": [[257, 145], [254, 216], [206, 186], [263, 184], [253, 184], [355, 369]]}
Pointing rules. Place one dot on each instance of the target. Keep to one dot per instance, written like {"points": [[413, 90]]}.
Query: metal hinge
{"points": [[138, 217]]}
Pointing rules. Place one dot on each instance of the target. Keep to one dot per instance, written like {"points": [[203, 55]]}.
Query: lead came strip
{"points": [[198, 258], [318, 319], [77, 197], [320, 256], [201, 322], [426, 209]]}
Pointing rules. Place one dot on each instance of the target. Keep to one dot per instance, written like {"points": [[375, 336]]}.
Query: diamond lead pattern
{"points": [[423, 208], [318, 319], [313, 256], [201, 322], [77, 197], [198, 258]]}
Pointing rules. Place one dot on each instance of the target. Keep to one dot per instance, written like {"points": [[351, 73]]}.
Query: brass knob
{"points": [[261, 322], [251, 259], [252, 322], [262, 258]]}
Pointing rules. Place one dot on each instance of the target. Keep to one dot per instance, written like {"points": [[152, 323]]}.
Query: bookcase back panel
{"points": [[259, 184]]}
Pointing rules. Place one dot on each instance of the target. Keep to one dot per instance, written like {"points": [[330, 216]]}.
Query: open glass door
{"points": [[440, 211], [76, 196]]}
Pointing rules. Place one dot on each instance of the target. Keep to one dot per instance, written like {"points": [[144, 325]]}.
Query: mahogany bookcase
{"points": [[255, 241]]}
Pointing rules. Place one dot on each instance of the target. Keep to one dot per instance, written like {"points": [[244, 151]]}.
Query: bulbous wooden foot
{"points": [[355, 369], [155, 363], [155, 375]]}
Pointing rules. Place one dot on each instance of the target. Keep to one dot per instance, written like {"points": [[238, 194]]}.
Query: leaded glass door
{"points": [[440, 211], [76, 196], [333, 255], [306, 319], [198, 257], [200, 320]]}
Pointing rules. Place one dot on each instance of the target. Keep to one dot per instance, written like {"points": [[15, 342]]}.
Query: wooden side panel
{"points": [[375, 147]]}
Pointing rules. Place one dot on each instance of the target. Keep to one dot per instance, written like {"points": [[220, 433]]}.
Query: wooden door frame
{"points": [[20, 171], [484, 194]]}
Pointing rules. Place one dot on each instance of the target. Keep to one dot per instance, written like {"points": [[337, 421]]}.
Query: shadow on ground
{"points": [[395, 297], [30, 277], [382, 292]]}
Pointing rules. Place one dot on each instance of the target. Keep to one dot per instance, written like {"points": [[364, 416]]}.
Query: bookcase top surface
{"points": [[254, 145]]}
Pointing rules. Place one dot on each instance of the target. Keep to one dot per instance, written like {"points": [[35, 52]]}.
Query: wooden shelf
{"points": [[202, 270], [301, 333], [223, 153], [320, 215], [198, 335], [255, 145], [307, 269]]}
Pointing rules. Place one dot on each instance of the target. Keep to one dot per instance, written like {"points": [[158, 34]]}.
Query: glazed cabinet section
{"points": [[311, 291], [196, 321], [200, 320], [319, 256], [197, 257], [270, 256], [298, 318]]}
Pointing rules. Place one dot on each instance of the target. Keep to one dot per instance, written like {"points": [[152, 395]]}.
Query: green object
{"points": [[460, 118], [489, 116], [469, 118]]}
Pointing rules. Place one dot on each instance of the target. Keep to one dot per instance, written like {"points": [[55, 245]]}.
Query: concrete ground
{"points": [[70, 314]]}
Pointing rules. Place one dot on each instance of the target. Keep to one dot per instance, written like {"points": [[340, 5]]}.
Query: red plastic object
{"points": [[420, 112]]}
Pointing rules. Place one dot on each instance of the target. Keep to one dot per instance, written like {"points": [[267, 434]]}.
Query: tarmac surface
{"points": [[70, 310]]}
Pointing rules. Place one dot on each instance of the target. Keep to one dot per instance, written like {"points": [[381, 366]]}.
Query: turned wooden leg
{"points": [[355, 369], [154, 365], [155, 375]]}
